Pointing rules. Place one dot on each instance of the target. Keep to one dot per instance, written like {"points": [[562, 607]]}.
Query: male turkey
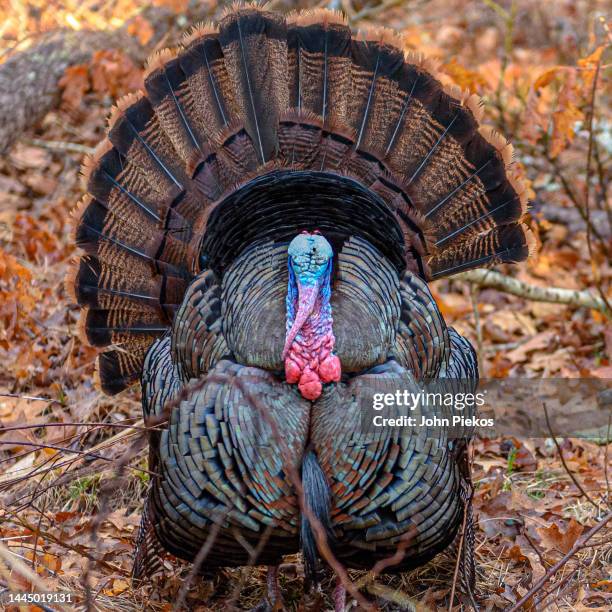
{"points": [[260, 227]]}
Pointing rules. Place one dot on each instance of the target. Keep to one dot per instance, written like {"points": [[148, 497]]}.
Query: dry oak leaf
{"points": [[540, 341], [546, 78], [566, 115], [114, 72], [74, 85], [553, 538], [563, 127], [589, 64], [464, 78], [141, 29]]}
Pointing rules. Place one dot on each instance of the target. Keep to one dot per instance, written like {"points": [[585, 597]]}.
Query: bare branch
{"points": [[555, 295]]}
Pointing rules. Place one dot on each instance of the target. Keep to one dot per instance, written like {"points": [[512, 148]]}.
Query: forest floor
{"points": [[72, 479]]}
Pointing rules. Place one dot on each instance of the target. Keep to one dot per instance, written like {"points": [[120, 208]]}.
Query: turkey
{"points": [[259, 230]]}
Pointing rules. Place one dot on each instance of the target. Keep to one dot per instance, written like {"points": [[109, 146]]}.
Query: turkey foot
{"points": [[273, 602], [339, 596]]}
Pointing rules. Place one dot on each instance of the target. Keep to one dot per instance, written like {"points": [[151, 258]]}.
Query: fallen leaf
{"points": [[538, 342], [554, 539], [74, 85], [141, 29]]}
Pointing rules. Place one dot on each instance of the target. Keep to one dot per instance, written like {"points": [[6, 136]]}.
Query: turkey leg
{"points": [[273, 602], [339, 596]]}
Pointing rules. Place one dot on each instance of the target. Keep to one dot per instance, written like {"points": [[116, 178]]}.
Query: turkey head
{"points": [[308, 356]]}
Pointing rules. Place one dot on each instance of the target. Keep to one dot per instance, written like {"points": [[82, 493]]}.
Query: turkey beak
{"points": [[307, 296]]}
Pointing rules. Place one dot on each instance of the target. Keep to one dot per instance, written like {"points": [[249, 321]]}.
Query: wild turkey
{"points": [[281, 169]]}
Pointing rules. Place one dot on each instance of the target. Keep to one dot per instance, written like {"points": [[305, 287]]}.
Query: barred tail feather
{"points": [[179, 185]]}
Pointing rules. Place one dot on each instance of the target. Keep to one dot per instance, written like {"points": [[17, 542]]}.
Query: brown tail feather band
{"points": [[255, 100]]}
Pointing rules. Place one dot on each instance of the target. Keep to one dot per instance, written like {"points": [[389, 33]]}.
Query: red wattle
{"points": [[292, 371], [310, 386], [330, 369], [309, 343]]}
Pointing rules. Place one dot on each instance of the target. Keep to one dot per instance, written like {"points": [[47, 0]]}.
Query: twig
{"points": [[558, 172], [60, 541], [608, 498], [508, 17], [569, 472], [555, 295], [603, 184], [33, 398], [555, 166], [563, 582], [458, 561], [500, 10], [578, 546], [96, 424], [74, 451]]}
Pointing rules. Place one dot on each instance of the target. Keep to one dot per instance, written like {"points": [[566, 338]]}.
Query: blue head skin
{"points": [[310, 263]]}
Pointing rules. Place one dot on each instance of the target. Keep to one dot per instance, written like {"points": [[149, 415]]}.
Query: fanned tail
{"points": [[263, 127]]}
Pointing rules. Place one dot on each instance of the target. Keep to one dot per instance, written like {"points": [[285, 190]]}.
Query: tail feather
{"points": [[255, 48], [116, 369], [127, 230], [127, 125], [504, 244], [163, 80], [317, 497], [96, 283], [209, 96], [226, 166], [376, 94], [320, 64], [179, 185], [104, 327]]}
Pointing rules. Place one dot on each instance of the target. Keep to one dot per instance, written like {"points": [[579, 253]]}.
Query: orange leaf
{"points": [[546, 77], [563, 127], [52, 562], [118, 586], [141, 29], [552, 538], [466, 79], [589, 64], [115, 73], [178, 6], [593, 58], [74, 84]]}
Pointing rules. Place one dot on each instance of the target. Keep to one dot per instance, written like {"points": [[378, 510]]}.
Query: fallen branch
{"points": [[56, 145], [555, 295], [29, 79]]}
